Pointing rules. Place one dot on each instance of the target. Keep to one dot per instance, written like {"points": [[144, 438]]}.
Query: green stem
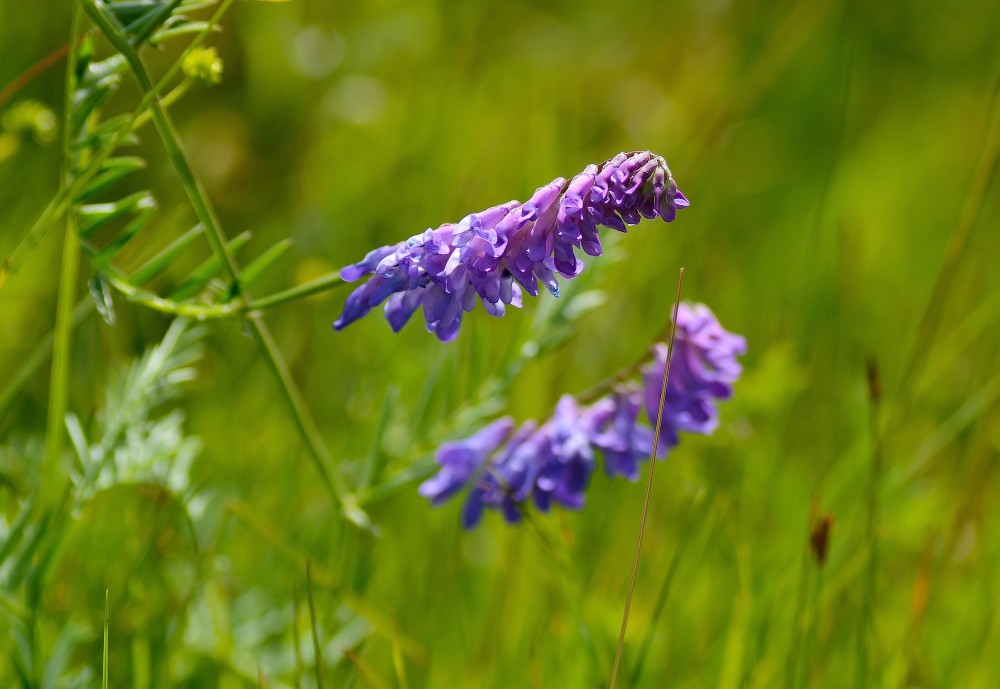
{"points": [[306, 425], [810, 635], [792, 667], [317, 650], [208, 312], [323, 284], [63, 340], [866, 621], [104, 662], [175, 94], [216, 238]]}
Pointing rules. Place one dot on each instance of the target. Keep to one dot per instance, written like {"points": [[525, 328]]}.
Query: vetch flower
{"points": [[461, 460], [552, 463], [491, 256]]}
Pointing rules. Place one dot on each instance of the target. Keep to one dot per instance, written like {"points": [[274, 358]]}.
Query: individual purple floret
{"points": [[552, 463], [462, 459], [493, 255]]}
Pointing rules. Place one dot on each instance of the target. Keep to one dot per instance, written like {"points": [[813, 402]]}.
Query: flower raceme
{"points": [[493, 255], [504, 467]]}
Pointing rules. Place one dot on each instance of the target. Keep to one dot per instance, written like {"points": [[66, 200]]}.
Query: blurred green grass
{"points": [[829, 151]]}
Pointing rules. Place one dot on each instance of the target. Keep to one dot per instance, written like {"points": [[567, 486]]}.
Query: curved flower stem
{"points": [[208, 312], [317, 286], [203, 209], [649, 482]]}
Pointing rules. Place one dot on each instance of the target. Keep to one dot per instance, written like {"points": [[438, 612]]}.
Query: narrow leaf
{"points": [[131, 229], [104, 73], [165, 257], [96, 215], [104, 133], [78, 438], [17, 530], [180, 29], [372, 465], [202, 275], [59, 657], [19, 567], [113, 171], [89, 100], [260, 265], [194, 5], [100, 292], [143, 28], [130, 11], [317, 653]]}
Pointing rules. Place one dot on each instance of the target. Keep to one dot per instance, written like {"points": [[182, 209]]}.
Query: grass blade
{"points": [[104, 661], [318, 654]]}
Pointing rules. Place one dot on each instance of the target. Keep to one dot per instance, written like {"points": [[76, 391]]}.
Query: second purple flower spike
{"points": [[493, 255]]}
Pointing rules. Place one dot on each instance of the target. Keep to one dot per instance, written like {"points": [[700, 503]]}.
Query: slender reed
{"points": [[649, 483], [317, 652], [866, 619], [104, 661]]}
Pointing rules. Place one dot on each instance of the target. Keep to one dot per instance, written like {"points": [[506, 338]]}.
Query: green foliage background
{"points": [[841, 160]]}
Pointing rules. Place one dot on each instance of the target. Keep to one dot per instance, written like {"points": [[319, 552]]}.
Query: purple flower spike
{"points": [[492, 255], [552, 463]]}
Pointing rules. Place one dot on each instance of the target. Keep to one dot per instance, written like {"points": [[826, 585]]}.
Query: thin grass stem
{"points": [[792, 667], [975, 201], [28, 75], [104, 661], [295, 635], [317, 286], [866, 619], [318, 660], [813, 617], [649, 483]]}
